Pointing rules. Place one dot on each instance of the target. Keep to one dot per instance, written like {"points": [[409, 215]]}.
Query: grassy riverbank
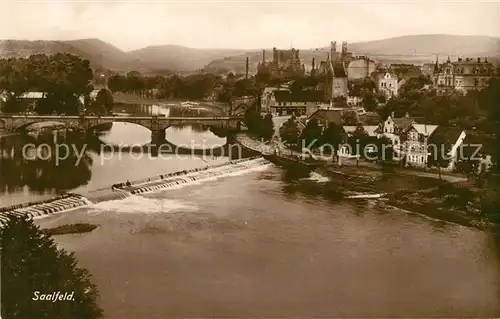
{"points": [[455, 202]]}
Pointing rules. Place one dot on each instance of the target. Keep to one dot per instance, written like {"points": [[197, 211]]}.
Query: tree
{"points": [[62, 77], [117, 83], [489, 99], [289, 131], [252, 120], [437, 156], [103, 103], [358, 139], [32, 262], [369, 101], [385, 149], [414, 83], [311, 133], [266, 130]]}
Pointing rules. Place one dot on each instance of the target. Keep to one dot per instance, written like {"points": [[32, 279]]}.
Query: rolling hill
{"points": [[151, 59], [100, 54], [179, 58]]}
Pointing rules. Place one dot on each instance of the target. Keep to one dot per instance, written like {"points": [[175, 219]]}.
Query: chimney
{"points": [[313, 64], [246, 69], [263, 56], [407, 115], [392, 114], [478, 60]]}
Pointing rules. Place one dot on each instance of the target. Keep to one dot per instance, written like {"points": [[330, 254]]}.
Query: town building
{"points": [[415, 141], [353, 101], [405, 71], [393, 128], [371, 130], [427, 69], [462, 75], [326, 115], [369, 118], [285, 63], [335, 73], [387, 83], [360, 67], [284, 102], [266, 98]]}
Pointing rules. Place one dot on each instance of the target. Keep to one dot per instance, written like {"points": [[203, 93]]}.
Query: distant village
{"points": [[333, 98]]}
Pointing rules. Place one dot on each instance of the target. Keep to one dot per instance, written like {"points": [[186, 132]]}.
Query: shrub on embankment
{"points": [[32, 262], [262, 127]]}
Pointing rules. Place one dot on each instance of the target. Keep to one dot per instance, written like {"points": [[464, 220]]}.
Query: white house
{"points": [[393, 127], [416, 141], [354, 101], [298, 103]]}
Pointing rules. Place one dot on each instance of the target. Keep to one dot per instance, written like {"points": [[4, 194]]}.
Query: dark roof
{"points": [[476, 138], [330, 116], [302, 96], [445, 134], [403, 122], [339, 70], [369, 118]]}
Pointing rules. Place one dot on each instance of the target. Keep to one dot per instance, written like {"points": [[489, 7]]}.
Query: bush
{"points": [[31, 262]]}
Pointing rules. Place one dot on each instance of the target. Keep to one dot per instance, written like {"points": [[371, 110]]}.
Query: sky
{"points": [[236, 24]]}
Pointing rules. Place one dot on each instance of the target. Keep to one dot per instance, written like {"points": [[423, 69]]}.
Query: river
{"points": [[261, 245]]}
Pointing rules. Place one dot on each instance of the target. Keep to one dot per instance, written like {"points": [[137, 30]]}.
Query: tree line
{"points": [[193, 87], [63, 78]]}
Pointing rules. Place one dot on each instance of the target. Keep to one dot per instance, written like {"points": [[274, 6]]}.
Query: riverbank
{"points": [[451, 199], [446, 197]]}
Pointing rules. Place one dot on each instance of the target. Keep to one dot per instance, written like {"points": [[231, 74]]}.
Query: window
{"points": [[476, 82]]}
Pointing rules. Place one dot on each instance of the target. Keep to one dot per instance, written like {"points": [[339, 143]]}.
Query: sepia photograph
{"points": [[249, 159]]}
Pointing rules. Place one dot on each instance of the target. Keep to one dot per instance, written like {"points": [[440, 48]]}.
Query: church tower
{"points": [[344, 50], [333, 50]]}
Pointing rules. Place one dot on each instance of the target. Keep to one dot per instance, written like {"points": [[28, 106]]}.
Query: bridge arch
{"points": [[240, 109], [154, 124]]}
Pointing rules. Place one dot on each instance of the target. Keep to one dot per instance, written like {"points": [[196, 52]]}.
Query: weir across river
{"points": [[158, 183]]}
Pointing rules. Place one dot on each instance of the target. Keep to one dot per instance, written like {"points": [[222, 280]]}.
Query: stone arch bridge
{"points": [[157, 124]]}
